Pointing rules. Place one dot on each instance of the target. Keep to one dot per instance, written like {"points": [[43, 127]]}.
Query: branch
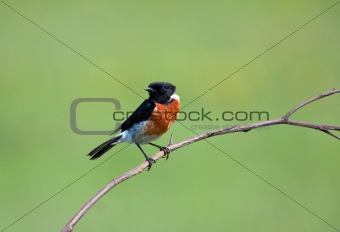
{"points": [[244, 128]]}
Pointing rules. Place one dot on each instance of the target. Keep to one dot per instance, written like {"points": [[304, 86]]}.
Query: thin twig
{"points": [[333, 91], [244, 128]]}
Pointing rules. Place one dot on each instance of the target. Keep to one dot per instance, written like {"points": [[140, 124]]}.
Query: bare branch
{"points": [[333, 91], [244, 128]]}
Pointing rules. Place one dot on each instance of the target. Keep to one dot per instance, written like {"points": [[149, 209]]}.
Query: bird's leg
{"points": [[149, 159], [166, 150]]}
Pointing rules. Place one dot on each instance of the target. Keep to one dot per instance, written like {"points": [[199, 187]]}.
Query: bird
{"points": [[147, 123]]}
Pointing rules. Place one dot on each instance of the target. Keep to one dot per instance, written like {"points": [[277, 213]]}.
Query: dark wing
{"points": [[142, 113]]}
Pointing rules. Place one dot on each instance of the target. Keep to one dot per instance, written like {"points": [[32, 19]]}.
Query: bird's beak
{"points": [[149, 89]]}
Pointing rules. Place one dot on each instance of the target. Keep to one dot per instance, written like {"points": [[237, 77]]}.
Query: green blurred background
{"points": [[193, 44]]}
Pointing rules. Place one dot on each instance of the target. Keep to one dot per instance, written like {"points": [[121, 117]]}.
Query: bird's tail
{"points": [[104, 147]]}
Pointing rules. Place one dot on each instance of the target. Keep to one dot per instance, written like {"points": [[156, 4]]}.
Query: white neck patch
{"points": [[174, 96]]}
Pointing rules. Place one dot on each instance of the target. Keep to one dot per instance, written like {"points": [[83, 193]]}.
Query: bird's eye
{"points": [[163, 89]]}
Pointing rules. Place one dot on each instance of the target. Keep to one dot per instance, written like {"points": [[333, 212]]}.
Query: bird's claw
{"points": [[166, 151], [150, 161]]}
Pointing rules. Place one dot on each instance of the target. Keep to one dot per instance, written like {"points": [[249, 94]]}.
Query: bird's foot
{"points": [[166, 151], [151, 161]]}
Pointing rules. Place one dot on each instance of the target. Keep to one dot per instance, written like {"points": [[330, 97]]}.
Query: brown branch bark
{"points": [[244, 128]]}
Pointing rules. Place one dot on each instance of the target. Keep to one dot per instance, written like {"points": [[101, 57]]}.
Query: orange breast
{"points": [[162, 118]]}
